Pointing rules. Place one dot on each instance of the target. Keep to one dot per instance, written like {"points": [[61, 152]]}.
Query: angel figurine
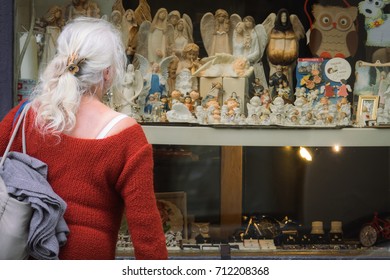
{"points": [[249, 41], [284, 32], [155, 77], [132, 87], [182, 32], [156, 37], [54, 20], [217, 31]]}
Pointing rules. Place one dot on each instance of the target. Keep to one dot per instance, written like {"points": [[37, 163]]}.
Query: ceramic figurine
{"points": [[116, 20], [217, 31], [231, 103], [333, 32], [172, 75], [277, 79], [277, 111], [180, 113], [155, 77], [156, 37], [76, 8], [249, 41], [129, 28], [254, 106], [257, 88], [54, 23], [132, 87], [284, 32], [183, 31], [213, 110], [195, 96], [187, 66], [201, 115]]}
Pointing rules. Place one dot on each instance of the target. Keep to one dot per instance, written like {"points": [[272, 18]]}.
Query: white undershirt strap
{"points": [[110, 125]]}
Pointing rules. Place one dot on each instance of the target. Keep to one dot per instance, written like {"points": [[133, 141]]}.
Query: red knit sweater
{"points": [[97, 178]]}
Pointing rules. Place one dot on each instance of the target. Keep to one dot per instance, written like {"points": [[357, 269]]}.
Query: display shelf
{"points": [[267, 136], [328, 254]]}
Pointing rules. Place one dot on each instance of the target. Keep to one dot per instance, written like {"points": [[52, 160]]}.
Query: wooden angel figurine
{"points": [[217, 31], [155, 38], [284, 32]]}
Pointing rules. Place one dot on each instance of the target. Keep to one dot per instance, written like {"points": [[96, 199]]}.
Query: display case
{"points": [[237, 181]]}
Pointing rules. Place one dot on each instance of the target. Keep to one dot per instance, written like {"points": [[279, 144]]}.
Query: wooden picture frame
{"points": [[173, 211], [367, 108]]}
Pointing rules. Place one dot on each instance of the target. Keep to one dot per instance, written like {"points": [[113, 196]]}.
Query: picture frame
{"points": [[173, 211], [367, 108]]}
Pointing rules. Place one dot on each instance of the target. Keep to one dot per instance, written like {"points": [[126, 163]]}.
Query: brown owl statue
{"points": [[333, 33]]}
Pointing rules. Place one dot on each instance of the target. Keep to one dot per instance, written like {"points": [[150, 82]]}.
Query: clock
{"points": [[368, 236]]}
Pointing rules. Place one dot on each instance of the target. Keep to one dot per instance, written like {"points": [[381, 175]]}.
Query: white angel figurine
{"points": [[284, 32], [249, 41], [254, 106], [217, 31], [156, 37], [182, 32]]}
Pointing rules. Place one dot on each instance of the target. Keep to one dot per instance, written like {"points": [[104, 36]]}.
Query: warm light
{"points": [[305, 154], [336, 148]]}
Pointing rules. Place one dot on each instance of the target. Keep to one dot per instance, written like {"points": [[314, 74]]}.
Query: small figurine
{"points": [[217, 31], [257, 87], [276, 80]]}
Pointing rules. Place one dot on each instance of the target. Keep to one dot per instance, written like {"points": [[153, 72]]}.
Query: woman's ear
{"points": [[107, 74]]}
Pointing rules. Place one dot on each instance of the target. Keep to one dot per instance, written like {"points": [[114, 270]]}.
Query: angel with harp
{"points": [[217, 32]]}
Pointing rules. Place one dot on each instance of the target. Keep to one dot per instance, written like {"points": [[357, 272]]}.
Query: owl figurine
{"points": [[333, 33]]}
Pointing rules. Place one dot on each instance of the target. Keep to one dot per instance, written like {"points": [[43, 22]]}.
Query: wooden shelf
{"points": [[266, 136]]}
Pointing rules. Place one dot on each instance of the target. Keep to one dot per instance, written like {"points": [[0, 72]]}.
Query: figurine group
{"points": [[165, 73]]}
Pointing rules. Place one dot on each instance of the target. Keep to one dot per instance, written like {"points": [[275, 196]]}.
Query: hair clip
{"points": [[73, 63]]}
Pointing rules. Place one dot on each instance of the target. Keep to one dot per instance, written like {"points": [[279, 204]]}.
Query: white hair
{"points": [[98, 45]]}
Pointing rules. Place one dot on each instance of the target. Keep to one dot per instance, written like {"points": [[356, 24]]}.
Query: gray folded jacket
{"points": [[25, 178]]}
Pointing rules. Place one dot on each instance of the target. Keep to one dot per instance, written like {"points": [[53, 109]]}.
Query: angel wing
{"points": [[262, 38], [207, 29], [298, 28], [141, 63], [118, 5], [164, 66], [269, 23], [142, 12], [234, 19], [190, 27], [142, 39]]}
